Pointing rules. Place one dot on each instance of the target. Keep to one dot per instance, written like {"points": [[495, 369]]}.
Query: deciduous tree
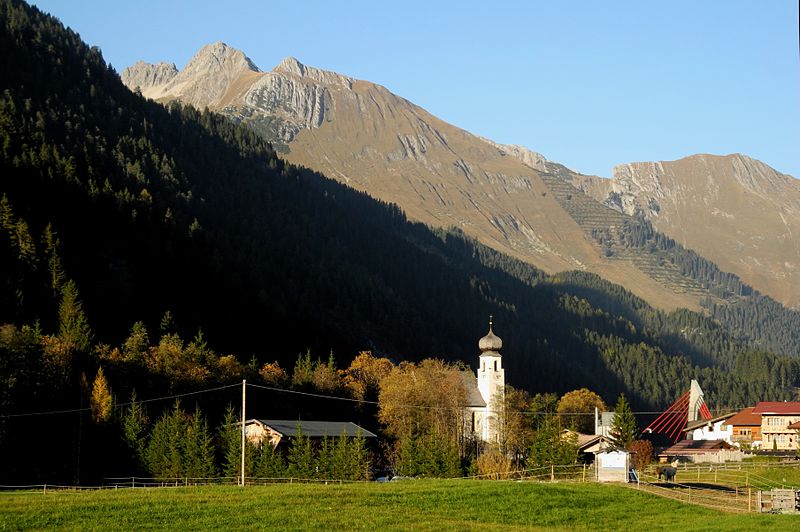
{"points": [[576, 409]]}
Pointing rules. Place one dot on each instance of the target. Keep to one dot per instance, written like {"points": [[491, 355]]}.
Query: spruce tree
{"points": [[73, 327], [199, 448], [301, 456], [623, 428], [269, 462], [134, 431]]}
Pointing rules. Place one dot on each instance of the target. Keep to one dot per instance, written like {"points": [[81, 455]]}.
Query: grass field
{"points": [[418, 505]]}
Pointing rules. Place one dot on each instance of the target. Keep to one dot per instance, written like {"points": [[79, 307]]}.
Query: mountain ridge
{"points": [[367, 137]]}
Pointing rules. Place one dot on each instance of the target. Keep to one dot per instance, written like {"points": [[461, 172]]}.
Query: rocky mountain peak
{"points": [[147, 75], [293, 67], [290, 65], [219, 57]]}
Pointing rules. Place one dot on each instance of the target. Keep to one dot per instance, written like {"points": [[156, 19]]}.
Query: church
{"points": [[486, 390]]}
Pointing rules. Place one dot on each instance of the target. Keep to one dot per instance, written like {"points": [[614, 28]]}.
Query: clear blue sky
{"points": [[589, 84]]}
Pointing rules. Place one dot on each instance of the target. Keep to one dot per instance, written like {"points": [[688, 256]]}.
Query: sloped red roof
{"points": [[745, 418], [784, 408]]}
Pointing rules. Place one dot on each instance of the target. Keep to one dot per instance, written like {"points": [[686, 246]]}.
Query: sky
{"points": [[588, 84]]}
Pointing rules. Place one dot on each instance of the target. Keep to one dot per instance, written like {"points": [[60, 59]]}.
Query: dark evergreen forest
{"points": [[123, 220]]}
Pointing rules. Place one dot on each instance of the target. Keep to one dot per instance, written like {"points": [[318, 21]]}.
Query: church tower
{"points": [[491, 385]]}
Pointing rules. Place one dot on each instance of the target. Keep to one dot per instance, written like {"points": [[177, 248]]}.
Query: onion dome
{"points": [[490, 342]]}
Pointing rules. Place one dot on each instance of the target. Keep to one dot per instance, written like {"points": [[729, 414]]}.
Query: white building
{"points": [[710, 429], [486, 406]]}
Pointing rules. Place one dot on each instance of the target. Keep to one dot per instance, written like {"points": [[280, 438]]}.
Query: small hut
{"points": [[612, 465]]}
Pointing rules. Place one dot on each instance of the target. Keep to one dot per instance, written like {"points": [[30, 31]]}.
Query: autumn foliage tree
{"points": [[101, 400], [422, 407], [576, 410], [364, 375]]}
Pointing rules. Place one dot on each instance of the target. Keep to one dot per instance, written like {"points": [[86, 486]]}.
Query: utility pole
{"points": [[244, 387]]}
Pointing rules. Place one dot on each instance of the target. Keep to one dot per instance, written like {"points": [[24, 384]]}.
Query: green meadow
{"points": [[413, 504]]}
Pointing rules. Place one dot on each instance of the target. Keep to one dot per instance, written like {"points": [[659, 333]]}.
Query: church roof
{"points": [[474, 397]]}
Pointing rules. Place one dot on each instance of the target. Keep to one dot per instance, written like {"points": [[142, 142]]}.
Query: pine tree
{"points": [[323, 461], [199, 448], [269, 462], [359, 458], [623, 428], [550, 447], [73, 327], [166, 456], [134, 431], [230, 436], [301, 456]]}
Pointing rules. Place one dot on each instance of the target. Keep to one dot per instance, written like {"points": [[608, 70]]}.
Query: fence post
{"points": [[44, 491], [584, 473], [749, 499], [552, 473], [715, 476], [689, 495]]}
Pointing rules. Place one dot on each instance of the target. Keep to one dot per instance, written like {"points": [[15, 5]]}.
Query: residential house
{"points": [[745, 428], [775, 421], [710, 429]]}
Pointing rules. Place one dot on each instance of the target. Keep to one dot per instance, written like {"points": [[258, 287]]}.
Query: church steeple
{"points": [[491, 385], [491, 344]]}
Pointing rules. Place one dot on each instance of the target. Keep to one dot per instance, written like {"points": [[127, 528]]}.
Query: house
{"points": [[745, 427], [277, 431], [486, 390], [710, 429], [696, 451], [588, 444], [775, 420]]}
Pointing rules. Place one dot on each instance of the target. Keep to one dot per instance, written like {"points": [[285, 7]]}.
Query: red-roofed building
{"points": [[746, 428], [775, 421]]}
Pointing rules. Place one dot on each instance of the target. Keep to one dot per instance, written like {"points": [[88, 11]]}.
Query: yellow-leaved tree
{"points": [[102, 400]]}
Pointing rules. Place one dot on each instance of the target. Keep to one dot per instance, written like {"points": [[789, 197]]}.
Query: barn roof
{"points": [[780, 408], [745, 418], [696, 447], [314, 429]]}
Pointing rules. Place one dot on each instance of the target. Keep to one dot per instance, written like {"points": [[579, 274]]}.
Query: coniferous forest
{"points": [[178, 252]]}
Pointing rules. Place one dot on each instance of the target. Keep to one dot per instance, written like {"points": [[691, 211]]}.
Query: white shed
{"points": [[612, 465]]}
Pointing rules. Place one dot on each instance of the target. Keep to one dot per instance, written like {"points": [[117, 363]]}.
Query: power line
{"points": [[75, 410]]}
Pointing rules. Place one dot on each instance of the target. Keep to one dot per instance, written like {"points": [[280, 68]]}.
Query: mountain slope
{"points": [[735, 210], [363, 135]]}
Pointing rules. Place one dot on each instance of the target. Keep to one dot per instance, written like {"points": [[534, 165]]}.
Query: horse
{"points": [[668, 472]]}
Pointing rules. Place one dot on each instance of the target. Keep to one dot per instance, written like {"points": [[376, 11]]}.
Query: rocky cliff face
{"points": [[146, 76], [360, 133]]}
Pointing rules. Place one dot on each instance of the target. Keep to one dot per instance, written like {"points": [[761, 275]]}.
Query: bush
{"points": [[494, 465]]}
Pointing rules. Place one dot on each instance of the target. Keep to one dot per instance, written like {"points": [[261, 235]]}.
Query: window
{"points": [[775, 422], [495, 365]]}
